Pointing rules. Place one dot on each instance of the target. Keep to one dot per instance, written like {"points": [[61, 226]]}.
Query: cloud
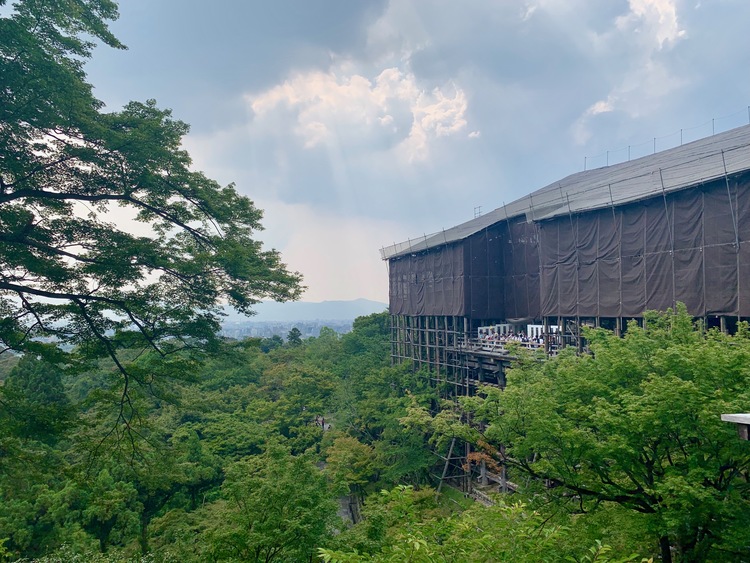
{"points": [[658, 18], [425, 110], [648, 29], [345, 107], [528, 11]]}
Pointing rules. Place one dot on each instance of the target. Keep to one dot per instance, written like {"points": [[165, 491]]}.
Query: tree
{"points": [[294, 337], [112, 506], [268, 344], [351, 462], [369, 340], [278, 507], [637, 423], [34, 402], [108, 239]]}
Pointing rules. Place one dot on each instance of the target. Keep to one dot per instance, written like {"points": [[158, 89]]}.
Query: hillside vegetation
{"points": [[257, 457]]}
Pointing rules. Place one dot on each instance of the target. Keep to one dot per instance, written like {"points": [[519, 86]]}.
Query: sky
{"points": [[355, 125]]}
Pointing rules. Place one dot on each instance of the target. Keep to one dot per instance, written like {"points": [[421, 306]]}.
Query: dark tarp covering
{"points": [[691, 245], [524, 244], [489, 275], [429, 283], [679, 246]]}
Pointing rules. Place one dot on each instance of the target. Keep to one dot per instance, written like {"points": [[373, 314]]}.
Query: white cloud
{"points": [[343, 107], [657, 18], [580, 130], [602, 106], [528, 11]]}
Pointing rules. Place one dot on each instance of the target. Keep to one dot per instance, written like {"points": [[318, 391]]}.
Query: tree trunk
{"points": [[666, 550], [143, 539]]}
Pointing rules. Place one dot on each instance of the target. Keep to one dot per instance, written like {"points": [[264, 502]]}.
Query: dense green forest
{"points": [[270, 447], [131, 431]]}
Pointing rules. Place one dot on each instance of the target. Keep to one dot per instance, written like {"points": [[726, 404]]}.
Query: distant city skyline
{"points": [[358, 125], [270, 311]]}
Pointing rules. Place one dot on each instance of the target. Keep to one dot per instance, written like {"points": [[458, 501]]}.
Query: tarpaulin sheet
{"points": [[609, 283], [744, 279], [678, 246], [430, 283]]}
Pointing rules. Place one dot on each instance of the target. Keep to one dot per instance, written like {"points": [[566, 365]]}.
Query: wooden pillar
{"points": [[434, 342], [404, 336], [467, 473], [420, 331], [428, 340], [407, 338], [723, 324], [444, 351], [445, 467], [413, 339], [396, 336], [438, 351]]}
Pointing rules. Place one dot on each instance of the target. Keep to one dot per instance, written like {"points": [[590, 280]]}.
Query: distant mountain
{"points": [[270, 311]]}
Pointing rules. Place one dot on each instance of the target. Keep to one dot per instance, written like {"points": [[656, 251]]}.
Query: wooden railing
{"points": [[500, 347]]}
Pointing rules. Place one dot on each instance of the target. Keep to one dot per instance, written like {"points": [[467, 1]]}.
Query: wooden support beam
{"points": [[445, 468]]}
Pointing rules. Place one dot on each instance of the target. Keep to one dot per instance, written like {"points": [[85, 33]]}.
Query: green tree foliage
{"points": [[268, 344], [111, 507], [34, 403], [294, 338], [35, 415], [405, 525], [370, 406], [237, 469], [351, 462], [278, 508], [637, 423], [108, 240], [368, 344]]}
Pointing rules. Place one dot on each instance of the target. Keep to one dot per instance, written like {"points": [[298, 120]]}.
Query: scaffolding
{"points": [[595, 249]]}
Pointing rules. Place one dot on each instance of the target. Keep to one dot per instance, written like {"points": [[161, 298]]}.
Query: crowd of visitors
{"points": [[491, 335]]}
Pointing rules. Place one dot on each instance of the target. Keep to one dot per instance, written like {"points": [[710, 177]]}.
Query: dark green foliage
{"points": [[249, 428], [34, 402], [369, 339], [294, 338], [268, 344], [243, 469]]}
